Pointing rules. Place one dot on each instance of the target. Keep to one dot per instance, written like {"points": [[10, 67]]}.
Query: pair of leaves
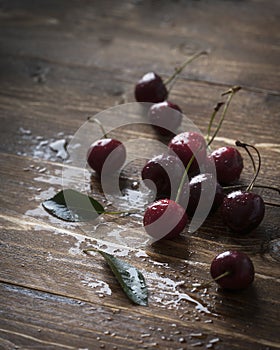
{"points": [[71, 205], [129, 277]]}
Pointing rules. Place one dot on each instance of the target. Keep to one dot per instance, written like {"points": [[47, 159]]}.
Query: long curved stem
{"points": [[236, 187], [98, 122], [231, 92], [184, 64], [251, 157], [216, 110], [245, 145], [184, 178]]}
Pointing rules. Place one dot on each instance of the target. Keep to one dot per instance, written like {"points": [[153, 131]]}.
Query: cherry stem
{"points": [[251, 157], [128, 212], [183, 179], [245, 145], [216, 110], [222, 275], [97, 121], [231, 92], [207, 284], [184, 64], [86, 251], [272, 204], [273, 188]]}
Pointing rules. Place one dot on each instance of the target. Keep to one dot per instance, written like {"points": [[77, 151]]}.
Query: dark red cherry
{"points": [[229, 164], [163, 173], [165, 117], [236, 267], [187, 144], [106, 149], [150, 88], [243, 211], [164, 219], [201, 185]]}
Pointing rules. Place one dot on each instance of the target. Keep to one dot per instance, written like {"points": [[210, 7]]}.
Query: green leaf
{"points": [[130, 278], [71, 205]]}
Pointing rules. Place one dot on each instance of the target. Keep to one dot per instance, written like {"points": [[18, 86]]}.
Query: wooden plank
{"points": [[100, 326], [49, 267], [43, 179], [65, 114], [61, 62], [49, 254], [128, 32]]}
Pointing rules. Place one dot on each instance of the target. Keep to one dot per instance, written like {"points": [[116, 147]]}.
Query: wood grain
{"points": [[63, 61]]}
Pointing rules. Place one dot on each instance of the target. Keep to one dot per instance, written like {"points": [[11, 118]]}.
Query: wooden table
{"points": [[62, 61]]}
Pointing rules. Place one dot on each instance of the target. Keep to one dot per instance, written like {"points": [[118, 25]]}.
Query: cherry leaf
{"points": [[129, 277], [71, 205]]}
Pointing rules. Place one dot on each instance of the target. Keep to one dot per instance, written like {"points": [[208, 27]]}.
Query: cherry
{"points": [[188, 145], [202, 183], [107, 150], [164, 219], [191, 146], [165, 117], [228, 160], [229, 164], [243, 211], [163, 173], [104, 149], [232, 270], [151, 87]]}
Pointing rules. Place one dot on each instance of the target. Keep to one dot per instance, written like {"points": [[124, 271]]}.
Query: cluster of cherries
{"points": [[184, 168]]}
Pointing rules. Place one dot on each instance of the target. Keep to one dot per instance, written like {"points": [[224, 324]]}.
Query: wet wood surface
{"points": [[63, 61]]}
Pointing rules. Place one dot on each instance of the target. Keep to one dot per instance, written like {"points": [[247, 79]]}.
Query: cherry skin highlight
{"points": [[164, 219], [150, 88], [229, 164], [239, 267], [187, 144], [163, 173], [243, 211], [166, 117], [105, 148]]}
